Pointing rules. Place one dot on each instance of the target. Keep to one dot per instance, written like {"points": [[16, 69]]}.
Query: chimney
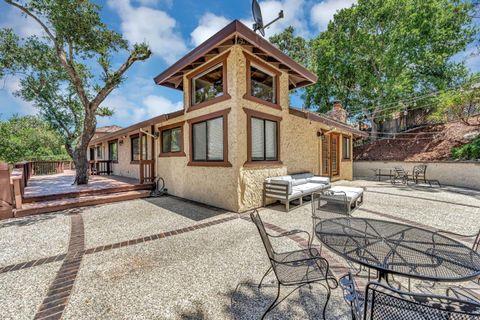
{"points": [[338, 113]]}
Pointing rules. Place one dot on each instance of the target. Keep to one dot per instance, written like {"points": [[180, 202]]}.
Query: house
{"points": [[236, 128]]}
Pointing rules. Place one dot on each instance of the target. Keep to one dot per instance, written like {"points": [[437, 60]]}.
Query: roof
{"points": [[108, 129], [235, 33], [137, 126], [328, 121]]}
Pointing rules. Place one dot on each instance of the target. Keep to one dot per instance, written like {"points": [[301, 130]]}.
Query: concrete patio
{"points": [[166, 258]]}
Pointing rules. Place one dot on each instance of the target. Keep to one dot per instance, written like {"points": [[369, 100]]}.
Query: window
{"points": [[346, 148], [207, 85], [264, 140], [172, 140], [113, 150], [263, 134], [262, 85], [92, 154], [99, 152], [209, 140], [135, 147], [262, 82]]}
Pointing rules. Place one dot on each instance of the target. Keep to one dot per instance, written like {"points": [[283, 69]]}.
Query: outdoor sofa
{"points": [[293, 187]]}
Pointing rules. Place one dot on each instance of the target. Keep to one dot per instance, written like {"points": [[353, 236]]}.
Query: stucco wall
{"points": [[462, 174]]}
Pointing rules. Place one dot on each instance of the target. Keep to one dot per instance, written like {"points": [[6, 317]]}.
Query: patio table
{"points": [[400, 249]]}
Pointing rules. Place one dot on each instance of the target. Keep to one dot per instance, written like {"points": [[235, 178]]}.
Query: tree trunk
{"points": [[80, 153], [374, 132], [81, 165]]}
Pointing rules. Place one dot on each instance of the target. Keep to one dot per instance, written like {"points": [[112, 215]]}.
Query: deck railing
{"points": [[101, 167], [147, 171], [7, 201]]}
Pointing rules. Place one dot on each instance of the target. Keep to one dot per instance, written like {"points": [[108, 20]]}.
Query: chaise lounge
{"points": [[293, 187]]}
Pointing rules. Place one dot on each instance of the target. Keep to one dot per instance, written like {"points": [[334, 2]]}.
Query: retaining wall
{"points": [[461, 174]]}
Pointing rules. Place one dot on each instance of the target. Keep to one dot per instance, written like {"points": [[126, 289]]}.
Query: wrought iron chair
{"points": [[400, 175], [294, 268], [381, 302], [419, 173]]}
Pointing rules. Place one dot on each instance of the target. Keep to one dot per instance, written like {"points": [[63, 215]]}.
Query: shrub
{"points": [[469, 151]]}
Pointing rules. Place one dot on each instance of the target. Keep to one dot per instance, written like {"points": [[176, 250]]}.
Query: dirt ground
{"points": [[433, 142]]}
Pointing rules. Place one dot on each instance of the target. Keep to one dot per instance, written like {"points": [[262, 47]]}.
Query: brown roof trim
{"points": [[328, 121], [137, 126], [233, 29]]}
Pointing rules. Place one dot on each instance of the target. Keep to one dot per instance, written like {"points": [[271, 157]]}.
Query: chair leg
{"points": [[273, 303], [266, 273], [329, 292]]}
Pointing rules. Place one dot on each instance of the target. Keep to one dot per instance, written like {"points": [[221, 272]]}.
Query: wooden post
{"points": [[140, 162], [152, 154], [6, 197]]}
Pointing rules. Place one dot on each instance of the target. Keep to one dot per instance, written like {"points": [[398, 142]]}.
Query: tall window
{"points": [[346, 148], [262, 85], [264, 140], [172, 140], [113, 150], [207, 140], [135, 147], [207, 85], [99, 152]]}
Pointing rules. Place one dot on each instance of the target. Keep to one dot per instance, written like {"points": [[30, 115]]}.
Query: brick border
{"points": [[61, 288]]}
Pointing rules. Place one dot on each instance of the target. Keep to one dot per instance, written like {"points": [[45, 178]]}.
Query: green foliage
{"points": [[462, 104], [29, 138], [381, 51], [469, 151]]}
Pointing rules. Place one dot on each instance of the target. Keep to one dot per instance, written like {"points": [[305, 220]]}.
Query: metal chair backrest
{"points": [[420, 171], [400, 171], [476, 243], [386, 303], [255, 216]]}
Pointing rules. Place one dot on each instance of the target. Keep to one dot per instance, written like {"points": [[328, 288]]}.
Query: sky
{"points": [[172, 28]]}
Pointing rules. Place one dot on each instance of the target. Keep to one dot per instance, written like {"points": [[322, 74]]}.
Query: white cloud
{"points": [[323, 12], [294, 15], [153, 26], [22, 25], [127, 112], [157, 105], [11, 84], [208, 25], [167, 3]]}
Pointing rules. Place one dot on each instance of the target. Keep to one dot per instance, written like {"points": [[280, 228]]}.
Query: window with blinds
{"points": [[207, 140], [264, 140], [171, 140]]}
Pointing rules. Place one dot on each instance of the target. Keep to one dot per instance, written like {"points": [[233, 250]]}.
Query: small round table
{"points": [[394, 248]]}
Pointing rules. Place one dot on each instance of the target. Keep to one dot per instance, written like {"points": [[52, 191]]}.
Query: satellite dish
{"points": [[257, 16]]}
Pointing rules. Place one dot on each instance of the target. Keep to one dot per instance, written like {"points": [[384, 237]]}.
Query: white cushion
{"points": [[317, 179], [304, 175], [308, 188], [352, 193]]}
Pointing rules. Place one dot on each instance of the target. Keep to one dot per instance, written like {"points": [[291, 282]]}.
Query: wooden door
{"points": [[325, 156], [330, 155], [334, 152]]}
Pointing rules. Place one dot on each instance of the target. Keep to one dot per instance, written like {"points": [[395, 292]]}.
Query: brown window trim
{"points": [[220, 59], [257, 114], [224, 163], [264, 65], [180, 153], [108, 146], [134, 135], [350, 142]]}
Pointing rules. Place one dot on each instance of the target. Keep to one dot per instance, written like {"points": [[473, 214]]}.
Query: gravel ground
{"points": [[33, 238], [133, 219], [208, 273], [23, 291]]}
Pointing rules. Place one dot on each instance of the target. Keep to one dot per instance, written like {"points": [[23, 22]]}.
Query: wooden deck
{"points": [[57, 192]]}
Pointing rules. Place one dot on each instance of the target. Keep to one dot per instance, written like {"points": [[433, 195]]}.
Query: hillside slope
{"points": [[435, 145]]}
